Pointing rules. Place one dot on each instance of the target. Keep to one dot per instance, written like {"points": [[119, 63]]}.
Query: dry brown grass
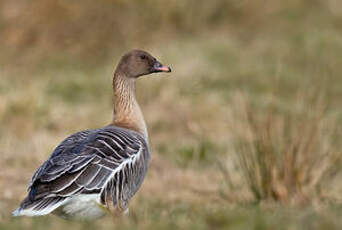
{"points": [[289, 154], [33, 30]]}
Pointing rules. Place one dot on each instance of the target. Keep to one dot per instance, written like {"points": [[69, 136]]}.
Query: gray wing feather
{"points": [[90, 161], [69, 143]]}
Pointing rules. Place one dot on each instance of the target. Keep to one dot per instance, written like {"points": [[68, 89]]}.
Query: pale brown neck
{"points": [[127, 113]]}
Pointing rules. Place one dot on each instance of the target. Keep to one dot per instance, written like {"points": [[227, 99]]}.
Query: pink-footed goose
{"points": [[96, 170]]}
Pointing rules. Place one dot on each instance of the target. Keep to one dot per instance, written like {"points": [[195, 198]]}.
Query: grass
{"points": [[286, 156], [182, 216], [245, 133]]}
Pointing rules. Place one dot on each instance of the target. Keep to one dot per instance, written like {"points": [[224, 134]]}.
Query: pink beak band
{"points": [[164, 69], [158, 67]]}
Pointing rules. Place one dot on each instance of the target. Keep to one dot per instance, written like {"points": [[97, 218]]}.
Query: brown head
{"points": [[137, 63]]}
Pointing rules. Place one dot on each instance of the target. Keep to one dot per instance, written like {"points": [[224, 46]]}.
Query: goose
{"points": [[98, 171]]}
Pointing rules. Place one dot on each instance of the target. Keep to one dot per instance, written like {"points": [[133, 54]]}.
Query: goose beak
{"points": [[158, 67]]}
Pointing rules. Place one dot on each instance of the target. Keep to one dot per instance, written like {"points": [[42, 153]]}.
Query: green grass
{"points": [[186, 216]]}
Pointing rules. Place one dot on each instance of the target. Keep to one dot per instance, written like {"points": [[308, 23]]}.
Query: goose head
{"points": [[137, 63]]}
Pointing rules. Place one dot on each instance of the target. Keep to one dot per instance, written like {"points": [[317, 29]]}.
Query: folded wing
{"points": [[105, 161]]}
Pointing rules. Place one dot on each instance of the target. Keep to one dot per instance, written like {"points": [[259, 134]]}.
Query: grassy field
{"points": [[245, 133]]}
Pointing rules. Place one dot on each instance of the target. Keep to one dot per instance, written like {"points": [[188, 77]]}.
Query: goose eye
{"points": [[143, 56]]}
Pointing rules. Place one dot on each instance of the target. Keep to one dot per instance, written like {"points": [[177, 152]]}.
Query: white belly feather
{"points": [[82, 207]]}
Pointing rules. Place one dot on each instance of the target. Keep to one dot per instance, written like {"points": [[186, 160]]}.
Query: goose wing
{"points": [[85, 163]]}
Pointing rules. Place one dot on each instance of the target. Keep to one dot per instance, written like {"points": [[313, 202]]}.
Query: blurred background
{"points": [[245, 132]]}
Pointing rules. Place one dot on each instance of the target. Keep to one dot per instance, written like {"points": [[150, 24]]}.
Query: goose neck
{"points": [[127, 113]]}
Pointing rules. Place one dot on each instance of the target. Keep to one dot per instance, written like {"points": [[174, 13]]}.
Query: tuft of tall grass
{"points": [[285, 154]]}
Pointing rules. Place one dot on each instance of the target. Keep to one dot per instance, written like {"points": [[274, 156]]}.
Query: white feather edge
{"points": [[45, 211]]}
